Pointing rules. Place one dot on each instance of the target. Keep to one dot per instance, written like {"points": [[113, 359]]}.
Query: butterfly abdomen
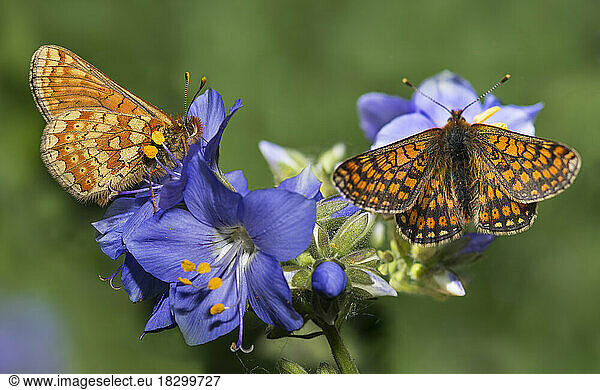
{"points": [[457, 140]]}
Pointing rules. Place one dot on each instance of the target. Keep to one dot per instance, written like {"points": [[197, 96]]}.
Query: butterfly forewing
{"points": [[61, 80], [388, 179], [529, 169]]}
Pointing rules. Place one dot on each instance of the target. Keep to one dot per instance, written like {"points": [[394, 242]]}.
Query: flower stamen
{"points": [[158, 137], [217, 308], [480, 118], [214, 283], [501, 125], [187, 266], [150, 151], [203, 268]]}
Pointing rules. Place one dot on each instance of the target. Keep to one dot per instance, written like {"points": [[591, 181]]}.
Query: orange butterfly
{"points": [[100, 138], [437, 181]]}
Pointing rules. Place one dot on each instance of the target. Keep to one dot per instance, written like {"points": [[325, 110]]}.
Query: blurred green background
{"points": [[532, 301]]}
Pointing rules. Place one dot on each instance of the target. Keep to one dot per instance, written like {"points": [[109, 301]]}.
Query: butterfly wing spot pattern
{"points": [[500, 176], [96, 130]]}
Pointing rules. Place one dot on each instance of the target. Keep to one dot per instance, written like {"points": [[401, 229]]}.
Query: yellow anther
{"points": [[501, 125], [188, 266], [217, 308], [203, 268], [150, 151], [486, 114], [158, 137], [185, 281], [214, 283]]}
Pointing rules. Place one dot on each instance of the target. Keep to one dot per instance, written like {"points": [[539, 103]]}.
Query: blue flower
{"points": [[386, 119], [223, 251], [328, 279], [126, 213]]}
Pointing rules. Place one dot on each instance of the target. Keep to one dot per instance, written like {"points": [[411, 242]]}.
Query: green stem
{"points": [[338, 350]]}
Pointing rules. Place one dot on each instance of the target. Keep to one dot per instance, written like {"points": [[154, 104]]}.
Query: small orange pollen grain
{"points": [[185, 281], [203, 268], [150, 151], [217, 308], [158, 137], [187, 266], [214, 283]]}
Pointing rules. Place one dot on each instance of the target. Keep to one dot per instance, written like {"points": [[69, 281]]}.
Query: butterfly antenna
{"points": [[405, 81], [499, 83], [187, 84], [202, 83]]}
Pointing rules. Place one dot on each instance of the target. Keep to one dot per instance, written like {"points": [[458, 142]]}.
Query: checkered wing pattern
{"points": [[529, 169], [434, 218], [60, 80], [497, 212], [92, 152], [388, 179]]}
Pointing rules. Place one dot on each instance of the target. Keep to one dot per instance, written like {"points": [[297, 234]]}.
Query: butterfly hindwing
{"points": [[529, 169], [388, 179], [91, 152], [497, 212], [434, 217]]}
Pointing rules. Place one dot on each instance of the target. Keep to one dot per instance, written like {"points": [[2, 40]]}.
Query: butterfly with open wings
{"points": [[437, 181]]}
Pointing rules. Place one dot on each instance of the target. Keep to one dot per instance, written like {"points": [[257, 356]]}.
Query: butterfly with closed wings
{"points": [[100, 138]]}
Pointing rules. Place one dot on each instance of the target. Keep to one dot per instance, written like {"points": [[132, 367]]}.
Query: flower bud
{"points": [[329, 279]]}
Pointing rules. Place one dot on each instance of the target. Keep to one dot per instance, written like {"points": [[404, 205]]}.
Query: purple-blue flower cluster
{"points": [[213, 246]]}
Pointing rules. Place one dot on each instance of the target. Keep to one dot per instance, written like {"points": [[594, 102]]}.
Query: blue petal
{"points": [[517, 118], [377, 109], [491, 101], [451, 91], [211, 152], [162, 316], [402, 127], [279, 222], [207, 198], [191, 307], [379, 288], [269, 294], [143, 213], [305, 183], [329, 279], [238, 181], [209, 108], [137, 283], [478, 243], [162, 243], [110, 229]]}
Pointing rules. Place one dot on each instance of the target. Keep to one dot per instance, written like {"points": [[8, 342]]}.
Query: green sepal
{"points": [[327, 209], [365, 258], [326, 368], [358, 276], [352, 232], [285, 366], [302, 279]]}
